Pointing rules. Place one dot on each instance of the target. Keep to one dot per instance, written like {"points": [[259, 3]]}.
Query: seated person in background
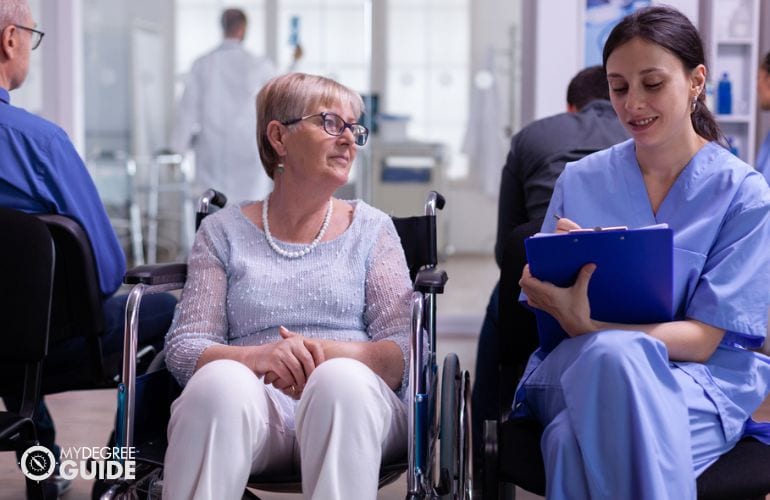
{"points": [[291, 336], [540, 150], [537, 157], [42, 173], [763, 99], [639, 411]]}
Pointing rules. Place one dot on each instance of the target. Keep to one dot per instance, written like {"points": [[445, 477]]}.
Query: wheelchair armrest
{"points": [[156, 274], [430, 280]]}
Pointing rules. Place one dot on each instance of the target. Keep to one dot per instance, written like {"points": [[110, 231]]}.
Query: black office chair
{"points": [[77, 314], [76, 310], [27, 267], [512, 447], [144, 402]]}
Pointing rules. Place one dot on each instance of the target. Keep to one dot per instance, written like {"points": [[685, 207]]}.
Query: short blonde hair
{"points": [[292, 96]]}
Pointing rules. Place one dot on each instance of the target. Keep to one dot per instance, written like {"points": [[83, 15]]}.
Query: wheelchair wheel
{"points": [[449, 448]]}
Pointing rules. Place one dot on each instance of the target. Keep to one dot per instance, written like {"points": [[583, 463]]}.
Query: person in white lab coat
{"points": [[216, 115]]}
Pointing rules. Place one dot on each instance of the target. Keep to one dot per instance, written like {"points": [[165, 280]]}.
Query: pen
{"points": [[556, 217]]}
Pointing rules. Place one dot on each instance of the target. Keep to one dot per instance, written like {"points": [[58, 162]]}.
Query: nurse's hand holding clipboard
{"points": [[569, 305]]}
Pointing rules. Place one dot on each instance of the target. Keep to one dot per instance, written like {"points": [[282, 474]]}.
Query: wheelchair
{"points": [[439, 426], [512, 454]]}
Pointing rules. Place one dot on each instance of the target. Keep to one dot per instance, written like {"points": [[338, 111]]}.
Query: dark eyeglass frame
{"points": [[360, 132], [37, 35]]}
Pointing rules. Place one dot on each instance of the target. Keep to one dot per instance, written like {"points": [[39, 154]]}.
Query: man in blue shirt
{"points": [[40, 172]]}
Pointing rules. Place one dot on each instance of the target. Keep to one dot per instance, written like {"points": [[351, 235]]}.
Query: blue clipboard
{"points": [[632, 284]]}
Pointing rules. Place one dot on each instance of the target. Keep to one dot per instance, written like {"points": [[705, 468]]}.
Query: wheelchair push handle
{"points": [[435, 200], [210, 197]]}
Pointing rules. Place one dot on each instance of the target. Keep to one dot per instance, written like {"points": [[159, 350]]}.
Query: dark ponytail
{"points": [[704, 123], [669, 28]]}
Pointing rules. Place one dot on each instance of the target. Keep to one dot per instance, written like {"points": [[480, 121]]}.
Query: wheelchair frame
{"points": [[455, 465]]}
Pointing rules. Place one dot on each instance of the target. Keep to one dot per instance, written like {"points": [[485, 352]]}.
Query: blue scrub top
{"points": [[719, 211]]}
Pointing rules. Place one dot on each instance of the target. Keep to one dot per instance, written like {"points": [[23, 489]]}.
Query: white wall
{"points": [[110, 70], [62, 61], [474, 230], [559, 53]]}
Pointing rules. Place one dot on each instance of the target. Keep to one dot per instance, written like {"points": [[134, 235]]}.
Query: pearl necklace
{"points": [[307, 249]]}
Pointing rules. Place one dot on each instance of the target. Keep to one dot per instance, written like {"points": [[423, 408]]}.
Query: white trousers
{"points": [[228, 424]]}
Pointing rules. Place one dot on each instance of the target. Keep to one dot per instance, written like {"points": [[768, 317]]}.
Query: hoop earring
{"points": [[694, 104], [280, 168]]}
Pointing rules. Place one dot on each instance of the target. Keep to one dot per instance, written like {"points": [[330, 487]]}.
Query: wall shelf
{"points": [[734, 118], [736, 41], [734, 53]]}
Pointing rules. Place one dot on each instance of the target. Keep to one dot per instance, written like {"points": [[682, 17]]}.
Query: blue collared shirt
{"points": [[40, 172]]}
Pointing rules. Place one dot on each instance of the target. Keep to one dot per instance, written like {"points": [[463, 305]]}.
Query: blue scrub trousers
{"points": [[620, 420]]}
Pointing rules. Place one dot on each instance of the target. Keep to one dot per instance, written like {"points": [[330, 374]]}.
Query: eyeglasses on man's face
{"points": [[37, 36], [334, 125]]}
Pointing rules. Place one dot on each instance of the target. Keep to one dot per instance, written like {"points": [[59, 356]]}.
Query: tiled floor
{"points": [[85, 418]]}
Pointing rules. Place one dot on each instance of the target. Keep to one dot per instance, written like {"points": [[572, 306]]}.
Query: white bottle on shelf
{"points": [[710, 99], [740, 21]]}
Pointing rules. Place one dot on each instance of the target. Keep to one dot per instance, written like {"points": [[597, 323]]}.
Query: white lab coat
{"points": [[484, 141], [217, 117]]}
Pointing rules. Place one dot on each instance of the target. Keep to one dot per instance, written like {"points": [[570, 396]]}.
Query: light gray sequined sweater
{"points": [[239, 291]]}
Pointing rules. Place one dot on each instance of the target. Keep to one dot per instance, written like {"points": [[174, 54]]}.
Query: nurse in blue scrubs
{"points": [[638, 411]]}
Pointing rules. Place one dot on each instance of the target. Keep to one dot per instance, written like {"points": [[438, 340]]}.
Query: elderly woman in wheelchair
{"points": [[291, 336]]}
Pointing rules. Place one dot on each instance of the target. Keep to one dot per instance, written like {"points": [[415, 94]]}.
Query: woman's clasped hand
{"points": [[288, 363]]}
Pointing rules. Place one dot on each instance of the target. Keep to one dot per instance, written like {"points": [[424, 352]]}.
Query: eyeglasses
{"points": [[334, 125], [37, 36]]}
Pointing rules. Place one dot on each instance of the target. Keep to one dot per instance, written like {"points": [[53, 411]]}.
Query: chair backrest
{"points": [[418, 239], [27, 263], [77, 301], [27, 267], [513, 318], [418, 234], [76, 307]]}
